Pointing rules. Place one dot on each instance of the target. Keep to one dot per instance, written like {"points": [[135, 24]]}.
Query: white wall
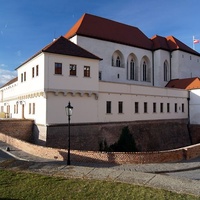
{"points": [[65, 81], [195, 106], [88, 109], [185, 65], [105, 50], [160, 56]]}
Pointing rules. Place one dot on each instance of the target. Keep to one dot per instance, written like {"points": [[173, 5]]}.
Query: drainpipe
{"points": [[153, 68], [188, 124]]}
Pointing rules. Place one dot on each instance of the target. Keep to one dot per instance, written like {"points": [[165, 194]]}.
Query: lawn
{"points": [[19, 185]]}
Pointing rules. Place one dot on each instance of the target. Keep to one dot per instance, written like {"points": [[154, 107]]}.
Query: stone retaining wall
{"points": [[154, 135], [174, 155]]}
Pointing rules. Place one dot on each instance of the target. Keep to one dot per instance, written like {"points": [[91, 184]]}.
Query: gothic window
{"points": [[132, 70], [165, 71], [118, 62], [144, 71]]}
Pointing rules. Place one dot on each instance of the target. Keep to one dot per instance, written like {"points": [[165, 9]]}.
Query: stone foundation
{"points": [[149, 135]]}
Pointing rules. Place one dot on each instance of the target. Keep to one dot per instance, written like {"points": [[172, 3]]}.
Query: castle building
{"points": [[109, 71]]}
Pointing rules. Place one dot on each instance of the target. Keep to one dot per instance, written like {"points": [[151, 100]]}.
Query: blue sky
{"points": [[27, 26]]}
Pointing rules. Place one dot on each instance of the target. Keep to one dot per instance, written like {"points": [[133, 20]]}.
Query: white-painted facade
{"points": [[113, 91], [179, 64]]}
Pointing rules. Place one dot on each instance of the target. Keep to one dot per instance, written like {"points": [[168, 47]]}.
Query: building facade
{"points": [[110, 72]]}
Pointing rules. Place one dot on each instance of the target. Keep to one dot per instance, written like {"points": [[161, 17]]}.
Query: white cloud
{"points": [[6, 75]]}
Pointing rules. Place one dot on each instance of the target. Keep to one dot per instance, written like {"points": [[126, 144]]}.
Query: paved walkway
{"points": [[151, 175]]}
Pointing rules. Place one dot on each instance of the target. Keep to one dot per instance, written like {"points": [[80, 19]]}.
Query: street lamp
{"points": [[68, 110]]}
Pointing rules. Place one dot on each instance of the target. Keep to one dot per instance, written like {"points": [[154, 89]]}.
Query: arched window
{"points": [[118, 62], [166, 71], [144, 71], [132, 70], [112, 61]]}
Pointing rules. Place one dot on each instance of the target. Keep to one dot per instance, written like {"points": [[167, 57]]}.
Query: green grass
{"points": [[19, 185]]}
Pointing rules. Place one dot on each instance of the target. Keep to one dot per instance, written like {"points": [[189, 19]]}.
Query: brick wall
{"points": [[21, 129], [195, 133], [174, 155], [149, 135]]}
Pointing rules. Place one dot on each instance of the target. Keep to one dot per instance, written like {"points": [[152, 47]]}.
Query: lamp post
{"points": [[68, 110]]}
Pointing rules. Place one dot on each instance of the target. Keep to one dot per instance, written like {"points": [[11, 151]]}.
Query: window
{"points": [[175, 107], [22, 79], [33, 72], [108, 106], [145, 107], [86, 71], [33, 108], [183, 107], [112, 61], [154, 107], [136, 107], [29, 108], [58, 68], [120, 107], [24, 76], [165, 71], [168, 107], [72, 70], [118, 62], [144, 71], [100, 75], [132, 70], [37, 70], [161, 107]]}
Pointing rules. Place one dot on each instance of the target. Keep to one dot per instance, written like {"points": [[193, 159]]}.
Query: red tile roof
{"points": [[187, 83], [105, 29], [176, 44], [65, 47], [10, 82], [160, 42]]}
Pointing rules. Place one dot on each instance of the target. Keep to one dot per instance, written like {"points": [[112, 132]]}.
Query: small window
{"points": [[33, 72], [161, 107], [29, 108], [86, 71], [16, 109], [108, 107], [37, 70], [136, 107], [183, 107], [100, 75], [72, 70], [120, 107], [24, 76], [22, 79], [168, 107], [145, 107], [175, 108], [154, 107], [33, 108], [58, 68]]}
